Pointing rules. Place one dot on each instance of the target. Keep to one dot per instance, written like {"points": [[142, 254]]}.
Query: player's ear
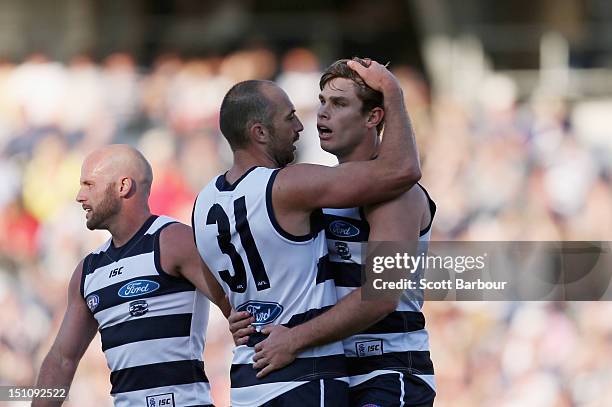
{"points": [[125, 186], [375, 117], [258, 133]]}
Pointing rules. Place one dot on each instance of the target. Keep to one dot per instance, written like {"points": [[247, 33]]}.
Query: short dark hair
{"points": [[243, 105], [369, 97]]}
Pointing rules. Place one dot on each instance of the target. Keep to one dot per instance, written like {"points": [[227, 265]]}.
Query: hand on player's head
{"points": [[375, 75]]}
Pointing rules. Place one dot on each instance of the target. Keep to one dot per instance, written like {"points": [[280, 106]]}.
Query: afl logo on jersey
{"points": [[341, 228], [264, 312], [92, 302], [137, 288]]}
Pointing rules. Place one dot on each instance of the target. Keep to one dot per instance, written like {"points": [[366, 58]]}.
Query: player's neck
{"points": [[126, 226], [366, 150], [244, 160]]}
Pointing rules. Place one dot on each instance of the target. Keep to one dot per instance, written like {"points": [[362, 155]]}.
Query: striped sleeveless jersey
{"points": [[397, 342], [152, 324], [270, 273]]}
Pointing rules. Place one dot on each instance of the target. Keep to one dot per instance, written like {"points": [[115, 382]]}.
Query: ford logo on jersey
{"points": [[137, 287], [341, 228], [264, 312]]}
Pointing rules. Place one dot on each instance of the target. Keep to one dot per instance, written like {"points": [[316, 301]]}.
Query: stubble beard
{"points": [[282, 156], [108, 207]]}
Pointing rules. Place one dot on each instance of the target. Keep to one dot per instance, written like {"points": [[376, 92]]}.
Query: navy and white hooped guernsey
{"points": [[398, 342], [152, 324], [274, 275]]}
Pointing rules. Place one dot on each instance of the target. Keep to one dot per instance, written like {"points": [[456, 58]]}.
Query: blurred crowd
{"points": [[500, 167]]}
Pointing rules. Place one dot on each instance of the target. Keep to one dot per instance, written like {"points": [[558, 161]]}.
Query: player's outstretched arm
{"points": [[75, 334], [179, 256], [308, 187], [397, 220]]}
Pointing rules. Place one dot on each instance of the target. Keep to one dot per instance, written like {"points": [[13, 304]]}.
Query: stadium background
{"points": [[510, 100]]}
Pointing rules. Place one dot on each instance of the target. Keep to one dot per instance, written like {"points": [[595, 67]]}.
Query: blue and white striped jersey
{"points": [[269, 272], [397, 342], [152, 324]]}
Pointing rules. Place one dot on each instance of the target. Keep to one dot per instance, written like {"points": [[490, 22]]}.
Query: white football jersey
{"points": [[152, 324], [398, 342], [274, 275]]}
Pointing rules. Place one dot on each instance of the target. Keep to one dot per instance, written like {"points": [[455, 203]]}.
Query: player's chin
{"points": [[327, 145], [286, 159], [94, 223]]}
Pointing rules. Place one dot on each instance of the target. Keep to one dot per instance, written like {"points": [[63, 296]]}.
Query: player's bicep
{"points": [[396, 222], [309, 186], [216, 293], [78, 326], [179, 251], [398, 219]]}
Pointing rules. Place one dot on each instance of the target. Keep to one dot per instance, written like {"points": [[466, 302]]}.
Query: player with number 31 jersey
{"points": [[267, 272]]}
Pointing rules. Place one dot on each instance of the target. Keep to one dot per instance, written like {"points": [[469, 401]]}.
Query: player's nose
{"points": [[80, 197], [322, 112]]}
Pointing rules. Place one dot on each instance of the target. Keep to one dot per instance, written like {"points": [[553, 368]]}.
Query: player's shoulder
{"points": [[290, 187], [415, 201], [78, 270], [176, 233], [176, 246], [87, 263], [207, 189], [159, 223], [76, 280], [416, 197]]}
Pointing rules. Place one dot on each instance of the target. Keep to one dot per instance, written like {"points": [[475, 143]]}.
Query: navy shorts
{"points": [[317, 393], [392, 389]]}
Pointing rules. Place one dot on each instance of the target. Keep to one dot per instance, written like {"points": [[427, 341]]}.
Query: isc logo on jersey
{"points": [[115, 272], [369, 348], [161, 400], [264, 312]]}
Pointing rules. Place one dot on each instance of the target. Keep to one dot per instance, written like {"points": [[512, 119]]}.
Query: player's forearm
{"points": [[346, 318], [398, 148], [55, 372], [224, 305]]}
